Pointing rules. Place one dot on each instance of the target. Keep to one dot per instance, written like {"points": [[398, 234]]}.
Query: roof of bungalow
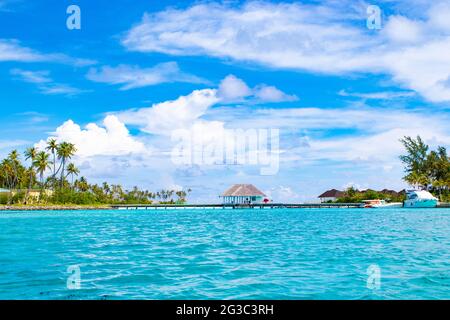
{"points": [[243, 190], [333, 193]]}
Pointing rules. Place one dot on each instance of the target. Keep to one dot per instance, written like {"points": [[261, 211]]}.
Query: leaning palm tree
{"points": [[72, 171], [65, 151], [42, 163], [30, 154]]}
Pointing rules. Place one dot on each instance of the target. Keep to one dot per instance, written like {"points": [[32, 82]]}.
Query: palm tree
{"points": [[65, 151], [30, 154], [83, 185], [13, 158], [52, 146], [72, 170], [42, 163], [8, 172]]}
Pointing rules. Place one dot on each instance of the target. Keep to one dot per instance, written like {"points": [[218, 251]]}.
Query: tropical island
{"points": [[425, 169], [49, 179]]}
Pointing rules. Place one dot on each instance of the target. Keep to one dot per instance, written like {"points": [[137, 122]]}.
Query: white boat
{"points": [[377, 203], [420, 199]]}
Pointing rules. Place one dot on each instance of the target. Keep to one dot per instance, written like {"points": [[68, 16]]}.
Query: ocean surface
{"points": [[226, 254]]}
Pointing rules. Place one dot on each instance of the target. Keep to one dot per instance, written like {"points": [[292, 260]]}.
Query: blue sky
{"points": [[340, 94]]}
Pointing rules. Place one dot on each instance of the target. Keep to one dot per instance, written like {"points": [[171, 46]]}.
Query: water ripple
{"points": [[229, 254]]}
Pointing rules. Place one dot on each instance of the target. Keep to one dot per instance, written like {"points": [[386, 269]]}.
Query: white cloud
{"points": [[111, 139], [163, 118], [438, 17], [385, 95], [12, 50], [283, 194], [316, 38], [279, 35], [45, 83], [131, 77], [352, 185], [34, 117], [233, 89], [403, 30], [266, 93], [374, 137], [186, 112], [32, 76]]}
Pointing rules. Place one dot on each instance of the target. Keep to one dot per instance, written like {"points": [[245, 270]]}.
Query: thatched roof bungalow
{"points": [[243, 194], [331, 195]]}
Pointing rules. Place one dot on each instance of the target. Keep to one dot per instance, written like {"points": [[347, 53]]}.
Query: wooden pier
{"points": [[236, 206]]}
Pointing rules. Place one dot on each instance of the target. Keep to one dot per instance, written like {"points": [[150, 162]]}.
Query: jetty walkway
{"points": [[235, 206]]}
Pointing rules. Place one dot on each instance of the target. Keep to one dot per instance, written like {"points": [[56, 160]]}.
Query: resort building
{"points": [[331, 195], [244, 194], [33, 194]]}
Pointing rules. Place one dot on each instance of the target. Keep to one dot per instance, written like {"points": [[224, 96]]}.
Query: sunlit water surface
{"points": [[226, 254]]}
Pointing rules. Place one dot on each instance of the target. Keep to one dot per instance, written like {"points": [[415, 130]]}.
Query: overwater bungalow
{"points": [[331, 195], [244, 194]]}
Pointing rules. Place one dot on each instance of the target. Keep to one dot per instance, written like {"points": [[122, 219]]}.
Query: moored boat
{"points": [[420, 199], [378, 203]]}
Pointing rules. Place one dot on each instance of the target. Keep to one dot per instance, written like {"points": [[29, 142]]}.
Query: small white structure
{"points": [[243, 194]]}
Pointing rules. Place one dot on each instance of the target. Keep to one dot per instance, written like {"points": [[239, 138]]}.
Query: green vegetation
{"points": [[61, 187], [427, 169], [353, 195]]}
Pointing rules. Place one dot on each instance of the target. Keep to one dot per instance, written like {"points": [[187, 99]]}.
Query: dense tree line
{"points": [[52, 170], [353, 195]]}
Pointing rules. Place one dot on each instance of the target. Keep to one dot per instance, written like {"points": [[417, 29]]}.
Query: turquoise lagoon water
{"points": [[226, 254]]}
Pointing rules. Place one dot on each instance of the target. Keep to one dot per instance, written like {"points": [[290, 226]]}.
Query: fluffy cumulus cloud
{"points": [[233, 89], [111, 139], [325, 38], [163, 118], [308, 135], [186, 112], [131, 77]]}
